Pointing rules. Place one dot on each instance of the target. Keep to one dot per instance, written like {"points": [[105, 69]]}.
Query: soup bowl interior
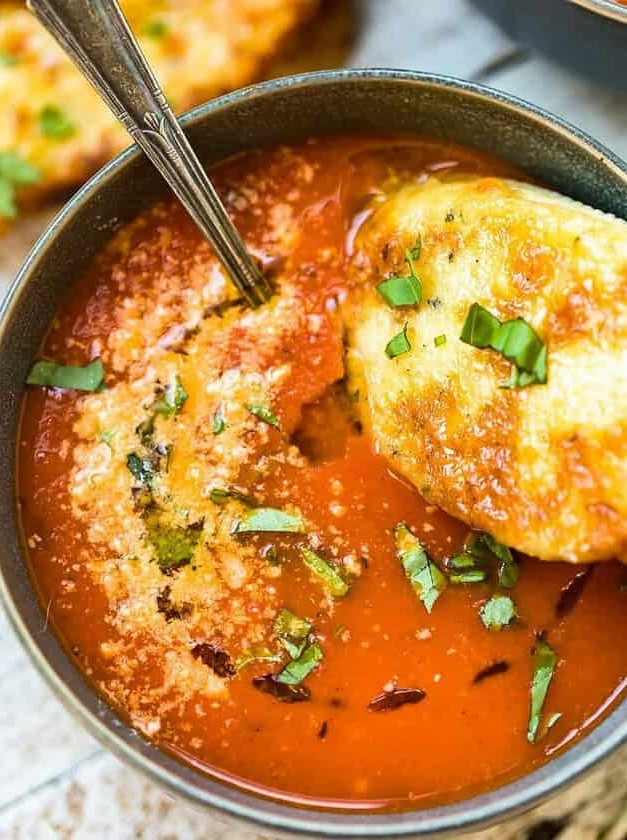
{"points": [[282, 111]]}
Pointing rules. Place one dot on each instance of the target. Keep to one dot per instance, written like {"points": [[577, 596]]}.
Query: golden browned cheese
{"points": [[541, 468], [198, 49]]}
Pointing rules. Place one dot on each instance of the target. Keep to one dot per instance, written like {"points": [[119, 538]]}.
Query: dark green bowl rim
{"points": [[103, 723]]}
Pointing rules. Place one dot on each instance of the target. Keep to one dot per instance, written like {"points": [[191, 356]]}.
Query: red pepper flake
{"points": [[492, 670], [218, 660], [269, 684], [572, 592], [390, 700]]}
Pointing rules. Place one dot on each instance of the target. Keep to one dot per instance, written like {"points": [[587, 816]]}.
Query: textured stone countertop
{"points": [[55, 780]]}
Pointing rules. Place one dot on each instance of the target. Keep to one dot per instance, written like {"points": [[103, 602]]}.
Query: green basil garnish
{"points": [[218, 424], [516, 340], [400, 291], [424, 576], [483, 548], [269, 519], [398, 345], [8, 60], [69, 377], [406, 289], [256, 654], [263, 413], [439, 340], [544, 662], [55, 124], [508, 569], [18, 170], [468, 576], [498, 612], [14, 170], [292, 631], [325, 572], [142, 469], [156, 28], [174, 547], [172, 399], [106, 436], [220, 496], [298, 669]]}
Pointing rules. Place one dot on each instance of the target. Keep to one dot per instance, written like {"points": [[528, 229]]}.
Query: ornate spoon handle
{"points": [[96, 36]]}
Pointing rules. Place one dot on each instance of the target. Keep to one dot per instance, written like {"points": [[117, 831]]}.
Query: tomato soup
{"points": [[232, 564]]}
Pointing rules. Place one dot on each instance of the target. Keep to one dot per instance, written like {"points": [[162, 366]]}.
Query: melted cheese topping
{"points": [[544, 468]]}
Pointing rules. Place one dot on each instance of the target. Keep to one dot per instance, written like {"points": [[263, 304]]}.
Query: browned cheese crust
{"points": [[542, 468]]}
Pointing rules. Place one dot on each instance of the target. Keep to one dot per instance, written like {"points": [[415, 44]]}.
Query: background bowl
{"points": [[285, 110], [589, 36]]}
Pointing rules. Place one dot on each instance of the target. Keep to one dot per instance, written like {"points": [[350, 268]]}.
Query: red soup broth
{"points": [[468, 733]]}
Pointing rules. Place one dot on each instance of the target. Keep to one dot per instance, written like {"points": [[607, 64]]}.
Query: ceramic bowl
{"points": [[588, 36], [284, 110]]}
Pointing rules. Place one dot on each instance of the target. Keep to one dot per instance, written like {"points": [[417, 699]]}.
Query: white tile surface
{"points": [[55, 781]]}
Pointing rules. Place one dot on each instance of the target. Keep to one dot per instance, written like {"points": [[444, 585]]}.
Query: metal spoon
{"points": [[96, 36]]}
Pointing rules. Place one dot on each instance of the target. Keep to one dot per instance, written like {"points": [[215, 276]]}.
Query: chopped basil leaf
{"points": [[17, 170], [107, 436], [55, 124], [544, 662], [498, 612], [468, 576], [292, 632], [269, 519], [439, 340], [403, 290], [484, 547], [69, 377], [14, 170], [156, 29], [263, 413], [508, 567], [174, 547], [219, 423], [172, 400], [414, 253], [462, 562], [220, 496], [400, 291], [142, 469], [424, 576], [521, 379], [553, 720], [8, 207], [398, 345], [298, 669], [325, 572], [146, 430], [256, 654], [8, 60], [516, 340]]}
